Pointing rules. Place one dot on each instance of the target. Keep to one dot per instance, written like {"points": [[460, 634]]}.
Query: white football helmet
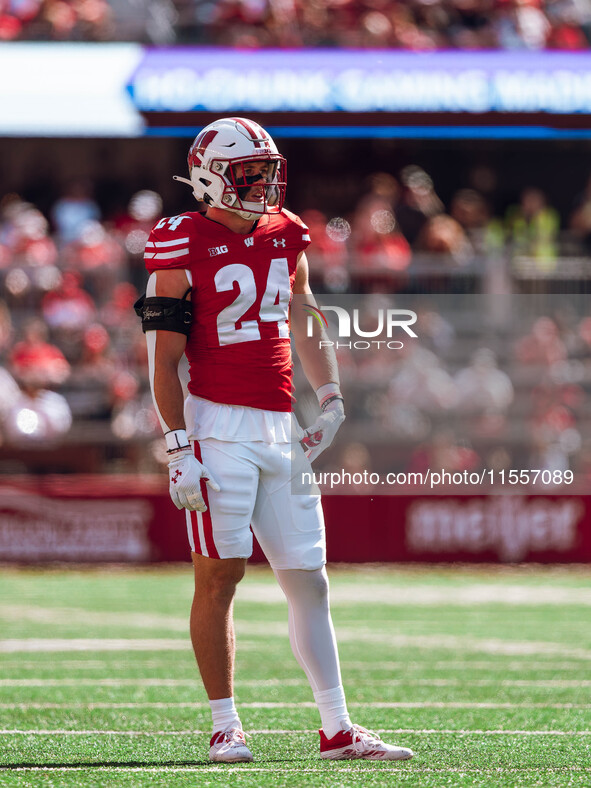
{"points": [[219, 160]]}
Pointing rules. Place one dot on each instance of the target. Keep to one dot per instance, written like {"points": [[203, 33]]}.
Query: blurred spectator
{"points": [[378, 243], [407, 34], [38, 415], [252, 24], [71, 213], [582, 342], [418, 204], [10, 205], [35, 361], [143, 210], [547, 452], [98, 256], [82, 20], [68, 310], [9, 392], [423, 382], [443, 453], [471, 24], [580, 218], [383, 193], [133, 413], [356, 460], [444, 235], [522, 24], [582, 466], [569, 21], [327, 255], [437, 333], [68, 307], [91, 382], [533, 228], [133, 228], [119, 317], [471, 211], [6, 328], [15, 17], [542, 345], [28, 238], [482, 386], [485, 393]]}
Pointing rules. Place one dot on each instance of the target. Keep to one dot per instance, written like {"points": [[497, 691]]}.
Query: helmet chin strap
{"points": [[245, 214]]}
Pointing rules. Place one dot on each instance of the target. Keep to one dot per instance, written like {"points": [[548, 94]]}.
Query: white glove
{"points": [[185, 473], [321, 434]]}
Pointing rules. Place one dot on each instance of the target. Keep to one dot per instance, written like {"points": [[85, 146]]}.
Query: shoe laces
{"points": [[360, 737], [234, 735]]}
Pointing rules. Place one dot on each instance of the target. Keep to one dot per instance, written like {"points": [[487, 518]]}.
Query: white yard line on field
{"points": [[281, 732], [391, 594], [288, 705], [66, 645], [144, 682], [459, 643], [424, 663], [267, 630], [418, 662], [395, 594], [563, 683], [330, 767], [276, 682], [74, 615]]}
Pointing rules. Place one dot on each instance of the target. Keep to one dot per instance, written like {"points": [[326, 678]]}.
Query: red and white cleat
{"points": [[357, 742], [229, 747]]}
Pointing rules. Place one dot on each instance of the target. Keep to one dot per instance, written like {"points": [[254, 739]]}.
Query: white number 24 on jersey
{"points": [[274, 303]]}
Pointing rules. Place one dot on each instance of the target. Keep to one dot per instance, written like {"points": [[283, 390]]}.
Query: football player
{"points": [[220, 291]]}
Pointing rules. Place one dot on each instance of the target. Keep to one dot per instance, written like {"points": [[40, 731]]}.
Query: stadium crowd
{"points": [[73, 358], [420, 25]]}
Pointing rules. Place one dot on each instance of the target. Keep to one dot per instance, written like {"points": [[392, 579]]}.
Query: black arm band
{"points": [[328, 400], [165, 314]]}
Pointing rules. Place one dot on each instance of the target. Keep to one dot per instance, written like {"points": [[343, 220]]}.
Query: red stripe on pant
{"points": [[205, 518]]}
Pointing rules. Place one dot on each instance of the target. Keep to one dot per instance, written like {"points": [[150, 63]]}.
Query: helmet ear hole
{"points": [[204, 181]]}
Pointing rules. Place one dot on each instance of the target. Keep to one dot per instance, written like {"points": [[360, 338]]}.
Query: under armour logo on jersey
{"points": [[213, 250], [249, 241], [278, 242], [176, 476]]}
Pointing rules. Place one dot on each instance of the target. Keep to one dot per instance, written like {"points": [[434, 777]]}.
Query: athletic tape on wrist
{"points": [[176, 439]]}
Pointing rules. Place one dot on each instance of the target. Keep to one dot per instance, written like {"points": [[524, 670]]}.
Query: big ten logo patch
{"points": [[215, 250]]}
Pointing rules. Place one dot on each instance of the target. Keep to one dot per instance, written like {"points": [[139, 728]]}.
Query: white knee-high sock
{"points": [[313, 642]]}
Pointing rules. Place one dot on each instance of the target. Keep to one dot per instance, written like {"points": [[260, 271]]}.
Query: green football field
{"points": [[485, 673]]}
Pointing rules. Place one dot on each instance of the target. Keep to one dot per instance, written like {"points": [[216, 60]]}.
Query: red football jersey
{"points": [[238, 348]]}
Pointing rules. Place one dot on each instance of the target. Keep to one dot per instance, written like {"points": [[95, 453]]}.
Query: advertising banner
{"points": [[127, 90], [85, 519], [225, 81]]}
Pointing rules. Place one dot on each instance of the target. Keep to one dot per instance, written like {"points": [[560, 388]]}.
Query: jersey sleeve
{"points": [[301, 233], [169, 244]]}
